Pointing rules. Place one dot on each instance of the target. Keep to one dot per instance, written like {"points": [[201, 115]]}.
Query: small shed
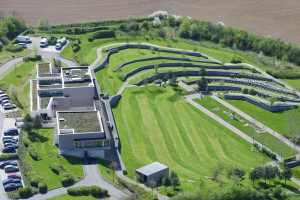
{"points": [[152, 174]]}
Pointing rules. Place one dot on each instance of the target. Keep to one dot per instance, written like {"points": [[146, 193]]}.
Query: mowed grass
{"points": [[286, 123], [49, 155], [156, 124], [5, 56], [18, 78], [263, 137], [295, 83]]}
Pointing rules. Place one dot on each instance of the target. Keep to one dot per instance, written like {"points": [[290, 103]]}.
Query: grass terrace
{"points": [[286, 123], [175, 133], [263, 137], [80, 121]]}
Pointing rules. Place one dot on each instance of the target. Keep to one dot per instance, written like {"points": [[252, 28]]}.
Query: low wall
{"points": [[272, 108]]}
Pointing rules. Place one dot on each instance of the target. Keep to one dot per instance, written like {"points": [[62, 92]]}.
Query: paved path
{"points": [[6, 67], [257, 123]]}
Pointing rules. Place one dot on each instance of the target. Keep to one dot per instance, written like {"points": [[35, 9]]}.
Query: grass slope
{"points": [[286, 123], [18, 78], [156, 124], [43, 145], [264, 138]]}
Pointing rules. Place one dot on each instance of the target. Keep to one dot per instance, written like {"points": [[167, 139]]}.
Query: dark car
{"points": [[5, 102], [15, 176], [11, 168], [11, 132], [5, 163], [9, 150], [11, 180], [9, 139], [4, 98], [9, 107], [12, 186], [10, 145]]}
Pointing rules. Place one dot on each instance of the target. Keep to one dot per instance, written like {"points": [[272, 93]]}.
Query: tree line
{"points": [[10, 27]]}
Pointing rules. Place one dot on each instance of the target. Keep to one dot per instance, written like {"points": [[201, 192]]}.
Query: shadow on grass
{"points": [[74, 160]]}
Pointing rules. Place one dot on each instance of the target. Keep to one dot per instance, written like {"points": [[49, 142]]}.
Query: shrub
{"points": [[75, 48], [34, 154], [94, 190], [25, 192], [57, 168], [102, 34], [33, 58], [98, 192], [236, 60], [26, 141], [34, 181], [52, 40], [9, 156], [14, 48], [67, 180], [43, 188]]}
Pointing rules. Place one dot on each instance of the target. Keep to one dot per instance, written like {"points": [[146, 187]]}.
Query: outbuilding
{"points": [[152, 174]]}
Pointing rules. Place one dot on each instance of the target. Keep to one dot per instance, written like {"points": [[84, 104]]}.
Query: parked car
{"points": [[44, 42], [9, 149], [15, 176], [11, 168], [10, 145], [12, 186], [10, 141], [5, 163], [1, 92], [11, 132], [23, 39], [9, 107], [6, 103], [4, 98], [11, 180], [9, 138]]}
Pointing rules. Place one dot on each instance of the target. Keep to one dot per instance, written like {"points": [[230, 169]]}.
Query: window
{"points": [[90, 143]]}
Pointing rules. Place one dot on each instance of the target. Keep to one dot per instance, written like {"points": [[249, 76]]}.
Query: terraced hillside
{"points": [[156, 124]]}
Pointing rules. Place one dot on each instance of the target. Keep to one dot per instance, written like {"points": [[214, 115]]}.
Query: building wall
{"points": [[156, 177]]}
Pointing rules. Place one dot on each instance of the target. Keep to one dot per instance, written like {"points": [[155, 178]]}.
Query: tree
{"points": [[28, 127], [202, 84], [175, 182], [270, 172], [256, 174], [286, 174], [37, 122], [184, 28], [237, 174]]}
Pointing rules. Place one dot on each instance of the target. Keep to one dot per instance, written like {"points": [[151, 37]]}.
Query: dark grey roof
{"points": [[151, 168]]}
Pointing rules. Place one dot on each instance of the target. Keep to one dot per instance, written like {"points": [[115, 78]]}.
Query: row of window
{"points": [[90, 143]]}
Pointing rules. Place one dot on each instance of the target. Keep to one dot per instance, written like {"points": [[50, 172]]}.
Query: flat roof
{"points": [[76, 76], [152, 168], [79, 121]]}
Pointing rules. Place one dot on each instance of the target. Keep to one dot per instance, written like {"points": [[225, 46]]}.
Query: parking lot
{"points": [[5, 124]]}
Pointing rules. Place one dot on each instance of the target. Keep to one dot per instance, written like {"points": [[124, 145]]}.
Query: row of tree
{"points": [[235, 38], [10, 27]]}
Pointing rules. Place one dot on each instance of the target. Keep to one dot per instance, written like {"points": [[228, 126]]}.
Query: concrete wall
{"points": [[155, 178]]}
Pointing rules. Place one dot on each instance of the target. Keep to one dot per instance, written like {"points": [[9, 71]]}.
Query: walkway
{"points": [[257, 123], [6, 67]]}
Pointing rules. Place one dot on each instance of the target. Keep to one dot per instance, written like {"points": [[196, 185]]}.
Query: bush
{"points": [[67, 180], [52, 40], [34, 181], [57, 168], [14, 48], [34, 154], [102, 34], [75, 48], [43, 188], [25, 192], [33, 58], [8, 156], [236, 60], [94, 190]]}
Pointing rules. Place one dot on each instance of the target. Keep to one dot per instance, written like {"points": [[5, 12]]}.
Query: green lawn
{"points": [[49, 155], [263, 137], [156, 124], [69, 197], [286, 123], [18, 78], [295, 83], [5, 56]]}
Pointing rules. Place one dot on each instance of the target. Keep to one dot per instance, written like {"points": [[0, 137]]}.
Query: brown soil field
{"points": [[277, 18]]}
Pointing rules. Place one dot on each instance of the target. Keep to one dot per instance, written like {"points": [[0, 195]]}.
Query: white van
{"points": [[44, 42], [23, 39]]}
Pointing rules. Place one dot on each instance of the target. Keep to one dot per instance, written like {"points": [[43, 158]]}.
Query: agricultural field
{"points": [[262, 137], [280, 19], [286, 123], [174, 133]]}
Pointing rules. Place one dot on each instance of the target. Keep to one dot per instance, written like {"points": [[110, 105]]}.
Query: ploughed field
{"points": [[276, 18], [156, 124]]}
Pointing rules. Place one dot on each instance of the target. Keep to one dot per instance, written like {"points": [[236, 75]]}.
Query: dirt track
{"points": [[279, 18]]}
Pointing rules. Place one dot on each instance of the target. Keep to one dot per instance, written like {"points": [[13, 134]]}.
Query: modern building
{"points": [[152, 174], [66, 99]]}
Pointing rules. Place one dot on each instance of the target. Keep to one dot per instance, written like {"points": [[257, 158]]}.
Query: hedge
{"points": [[14, 48], [102, 34], [25, 192], [94, 190], [43, 188], [33, 58], [9, 156], [67, 180]]}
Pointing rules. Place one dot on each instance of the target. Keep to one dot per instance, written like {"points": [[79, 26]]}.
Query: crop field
{"points": [[173, 132], [262, 137], [286, 123], [276, 18]]}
